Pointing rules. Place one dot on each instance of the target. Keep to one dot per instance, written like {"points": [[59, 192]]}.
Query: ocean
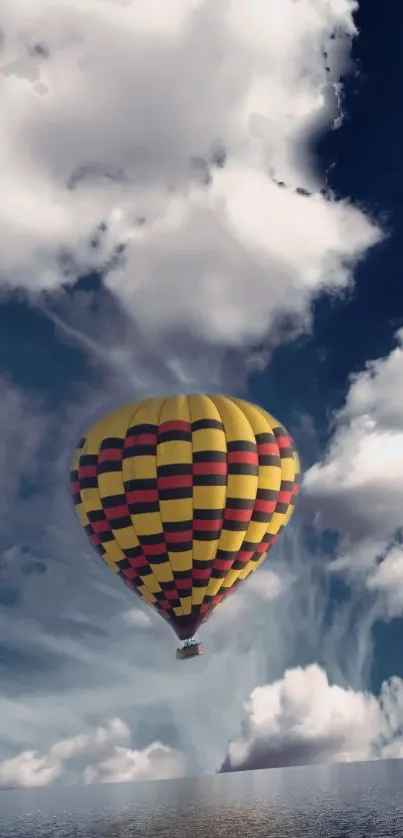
{"points": [[362, 800]]}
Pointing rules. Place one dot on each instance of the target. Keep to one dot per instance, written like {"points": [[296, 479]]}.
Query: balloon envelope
{"points": [[183, 497]]}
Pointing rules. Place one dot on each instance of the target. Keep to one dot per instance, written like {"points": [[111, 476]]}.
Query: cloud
{"points": [[18, 462], [134, 618], [130, 362], [268, 585], [28, 769], [170, 154], [302, 719], [115, 762], [156, 762], [356, 489], [32, 768], [387, 581]]}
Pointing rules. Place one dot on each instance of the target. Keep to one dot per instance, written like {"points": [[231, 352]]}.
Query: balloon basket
{"points": [[189, 650]]}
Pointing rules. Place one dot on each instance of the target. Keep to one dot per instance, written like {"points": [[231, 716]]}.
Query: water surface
{"points": [[359, 801]]}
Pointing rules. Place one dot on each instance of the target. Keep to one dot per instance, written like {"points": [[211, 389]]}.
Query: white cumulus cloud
{"points": [[105, 760], [179, 136], [357, 488], [302, 719], [156, 762]]}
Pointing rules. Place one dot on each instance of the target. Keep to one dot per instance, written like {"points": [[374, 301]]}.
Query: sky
{"points": [[200, 197]]}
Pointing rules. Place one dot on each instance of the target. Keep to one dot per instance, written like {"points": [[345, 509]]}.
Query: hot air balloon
{"points": [[183, 497]]}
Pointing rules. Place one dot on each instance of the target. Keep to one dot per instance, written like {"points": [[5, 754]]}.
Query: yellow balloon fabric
{"points": [[183, 497]]}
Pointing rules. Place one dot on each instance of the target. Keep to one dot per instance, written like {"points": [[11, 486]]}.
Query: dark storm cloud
{"points": [[9, 596], [27, 667], [289, 751], [33, 567]]}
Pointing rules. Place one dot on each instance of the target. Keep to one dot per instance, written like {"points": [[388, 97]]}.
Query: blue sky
{"points": [[134, 264]]}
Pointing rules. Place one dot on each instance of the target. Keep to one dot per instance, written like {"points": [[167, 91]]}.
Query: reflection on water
{"points": [[360, 801]]}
